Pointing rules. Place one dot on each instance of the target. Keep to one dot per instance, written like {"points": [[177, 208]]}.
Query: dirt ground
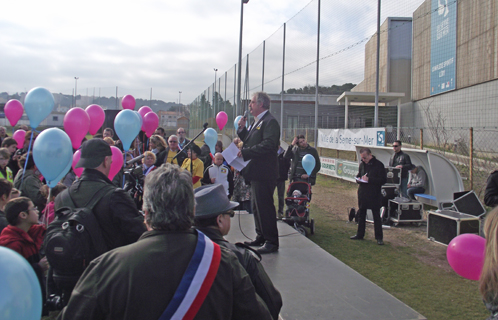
{"points": [[337, 199]]}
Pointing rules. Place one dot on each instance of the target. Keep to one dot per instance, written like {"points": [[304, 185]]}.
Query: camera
{"points": [[54, 303]]}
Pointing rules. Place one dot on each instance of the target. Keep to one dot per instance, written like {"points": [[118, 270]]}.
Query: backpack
{"points": [[74, 239]]}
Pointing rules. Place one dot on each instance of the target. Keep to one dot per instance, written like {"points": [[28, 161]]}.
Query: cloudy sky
{"points": [[169, 46]]}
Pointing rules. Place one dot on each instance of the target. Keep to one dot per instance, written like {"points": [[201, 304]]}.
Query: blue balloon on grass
{"points": [[236, 122], [127, 126], [52, 151], [210, 138], [38, 104], [308, 163], [20, 292], [63, 173]]}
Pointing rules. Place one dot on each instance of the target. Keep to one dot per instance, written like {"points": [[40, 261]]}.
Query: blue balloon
{"points": [[38, 104], [140, 118], [210, 138], [127, 125], [63, 173], [20, 292], [52, 151], [308, 163], [236, 122]]}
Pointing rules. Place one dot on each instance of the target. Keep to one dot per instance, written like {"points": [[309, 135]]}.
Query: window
{"points": [[55, 118]]}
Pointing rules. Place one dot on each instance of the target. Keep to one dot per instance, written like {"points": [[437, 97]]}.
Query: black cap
{"points": [[93, 153]]}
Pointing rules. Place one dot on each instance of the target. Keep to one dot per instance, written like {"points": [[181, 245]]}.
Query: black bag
{"points": [[260, 279], [73, 239]]}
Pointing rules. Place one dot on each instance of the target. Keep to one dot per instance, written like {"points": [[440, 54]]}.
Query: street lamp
{"points": [[239, 67], [75, 89], [179, 101], [214, 91]]}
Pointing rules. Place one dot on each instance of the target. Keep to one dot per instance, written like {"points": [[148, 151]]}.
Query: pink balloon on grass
{"points": [[76, 125], [19, 136], [151, 121], [13, 111], [117, 162], [76, 158], [143, 111], [465, 254], [97, 117], [128, 102], [221, 119]]}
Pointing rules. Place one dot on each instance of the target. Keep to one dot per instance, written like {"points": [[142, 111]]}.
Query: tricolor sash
{"points": [[196, 281]]}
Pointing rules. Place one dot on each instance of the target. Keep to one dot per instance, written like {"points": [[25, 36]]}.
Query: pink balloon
{"points": [[19, 136], [143, 111], [13, 111], [117, 162], [76, 125], [128, 102], [76, 158], [97, 117], [221, 119], [465, 254], [151, 121]]}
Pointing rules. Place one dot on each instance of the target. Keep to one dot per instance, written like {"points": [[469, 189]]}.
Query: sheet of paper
{"points": [[230, 155], [361, 180]]}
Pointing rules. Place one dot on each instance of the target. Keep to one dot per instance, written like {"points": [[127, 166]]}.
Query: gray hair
{"points": [[263, 98], [169, 198]]}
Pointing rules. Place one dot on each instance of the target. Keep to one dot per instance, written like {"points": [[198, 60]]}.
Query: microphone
{"points": [[205, 125], [245, 115], [134, 160]]}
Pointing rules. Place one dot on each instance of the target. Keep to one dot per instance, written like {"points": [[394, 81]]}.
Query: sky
{"points": [[169, 46]]}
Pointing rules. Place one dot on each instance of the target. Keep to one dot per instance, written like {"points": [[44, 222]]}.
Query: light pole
{"points": [[179, 101], [75, 89], [214, 92], [239, 67]]}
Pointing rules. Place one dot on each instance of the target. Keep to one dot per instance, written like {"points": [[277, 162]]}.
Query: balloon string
{"points": [[124, 166], [27, 156]]}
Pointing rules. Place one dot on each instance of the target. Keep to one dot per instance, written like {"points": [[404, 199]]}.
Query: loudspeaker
{"points": [[445, 225], [110, 115]]}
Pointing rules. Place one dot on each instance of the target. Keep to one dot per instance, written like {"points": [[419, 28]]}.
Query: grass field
{"points": [[434, 292]]}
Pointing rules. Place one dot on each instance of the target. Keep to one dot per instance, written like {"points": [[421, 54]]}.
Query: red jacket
{"points": [[26, 244]]}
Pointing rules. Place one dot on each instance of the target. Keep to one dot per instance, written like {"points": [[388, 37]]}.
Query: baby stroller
{"points": [[297, 213]]}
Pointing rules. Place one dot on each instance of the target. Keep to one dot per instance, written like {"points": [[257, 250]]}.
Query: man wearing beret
{"points": [[212, 217]]}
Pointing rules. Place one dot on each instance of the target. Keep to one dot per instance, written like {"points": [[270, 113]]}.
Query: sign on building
{"points": [[347, 139], [443, 45]]}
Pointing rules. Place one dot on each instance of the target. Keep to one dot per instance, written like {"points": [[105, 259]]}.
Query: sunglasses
{"points": [[395, 145]]}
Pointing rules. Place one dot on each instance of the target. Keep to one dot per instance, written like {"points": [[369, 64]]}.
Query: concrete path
{"points": [[316, 285]]}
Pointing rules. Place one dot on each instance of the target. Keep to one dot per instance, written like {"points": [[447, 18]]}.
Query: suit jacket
{"points": [[260, 146]]}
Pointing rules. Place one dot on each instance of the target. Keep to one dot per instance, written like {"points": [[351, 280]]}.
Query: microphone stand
{"points": [[188, 145]]}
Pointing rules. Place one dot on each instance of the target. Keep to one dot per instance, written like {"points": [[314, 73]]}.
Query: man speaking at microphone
{"points": [[260, 145]]}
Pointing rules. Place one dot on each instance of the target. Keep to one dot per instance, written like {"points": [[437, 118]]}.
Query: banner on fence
{"points": [[347, 139], [337, 168]]}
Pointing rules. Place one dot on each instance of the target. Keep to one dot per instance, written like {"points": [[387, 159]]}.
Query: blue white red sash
{"points": [[196, 281]]}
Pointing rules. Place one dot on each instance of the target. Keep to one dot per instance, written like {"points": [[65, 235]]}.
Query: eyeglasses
{"points": [[33, 209], [231, 213], [174, 141], [179, 132], [395, 145]]}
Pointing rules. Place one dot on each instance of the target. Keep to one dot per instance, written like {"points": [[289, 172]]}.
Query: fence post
{"points": [[471, 154], [421, 139]]}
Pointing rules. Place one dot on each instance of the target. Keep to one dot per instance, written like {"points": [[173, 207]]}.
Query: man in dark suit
{"points": [[260, 145]]}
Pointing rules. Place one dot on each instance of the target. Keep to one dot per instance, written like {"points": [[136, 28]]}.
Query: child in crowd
{"points": [[148, 162], [48, 213], [197, 169], [5, 190], [5, 171], [219, 173], [25, 236]]}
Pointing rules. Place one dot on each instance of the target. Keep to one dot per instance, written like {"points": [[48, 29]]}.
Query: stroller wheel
{"points": [[301, 230], [312, 226]]}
